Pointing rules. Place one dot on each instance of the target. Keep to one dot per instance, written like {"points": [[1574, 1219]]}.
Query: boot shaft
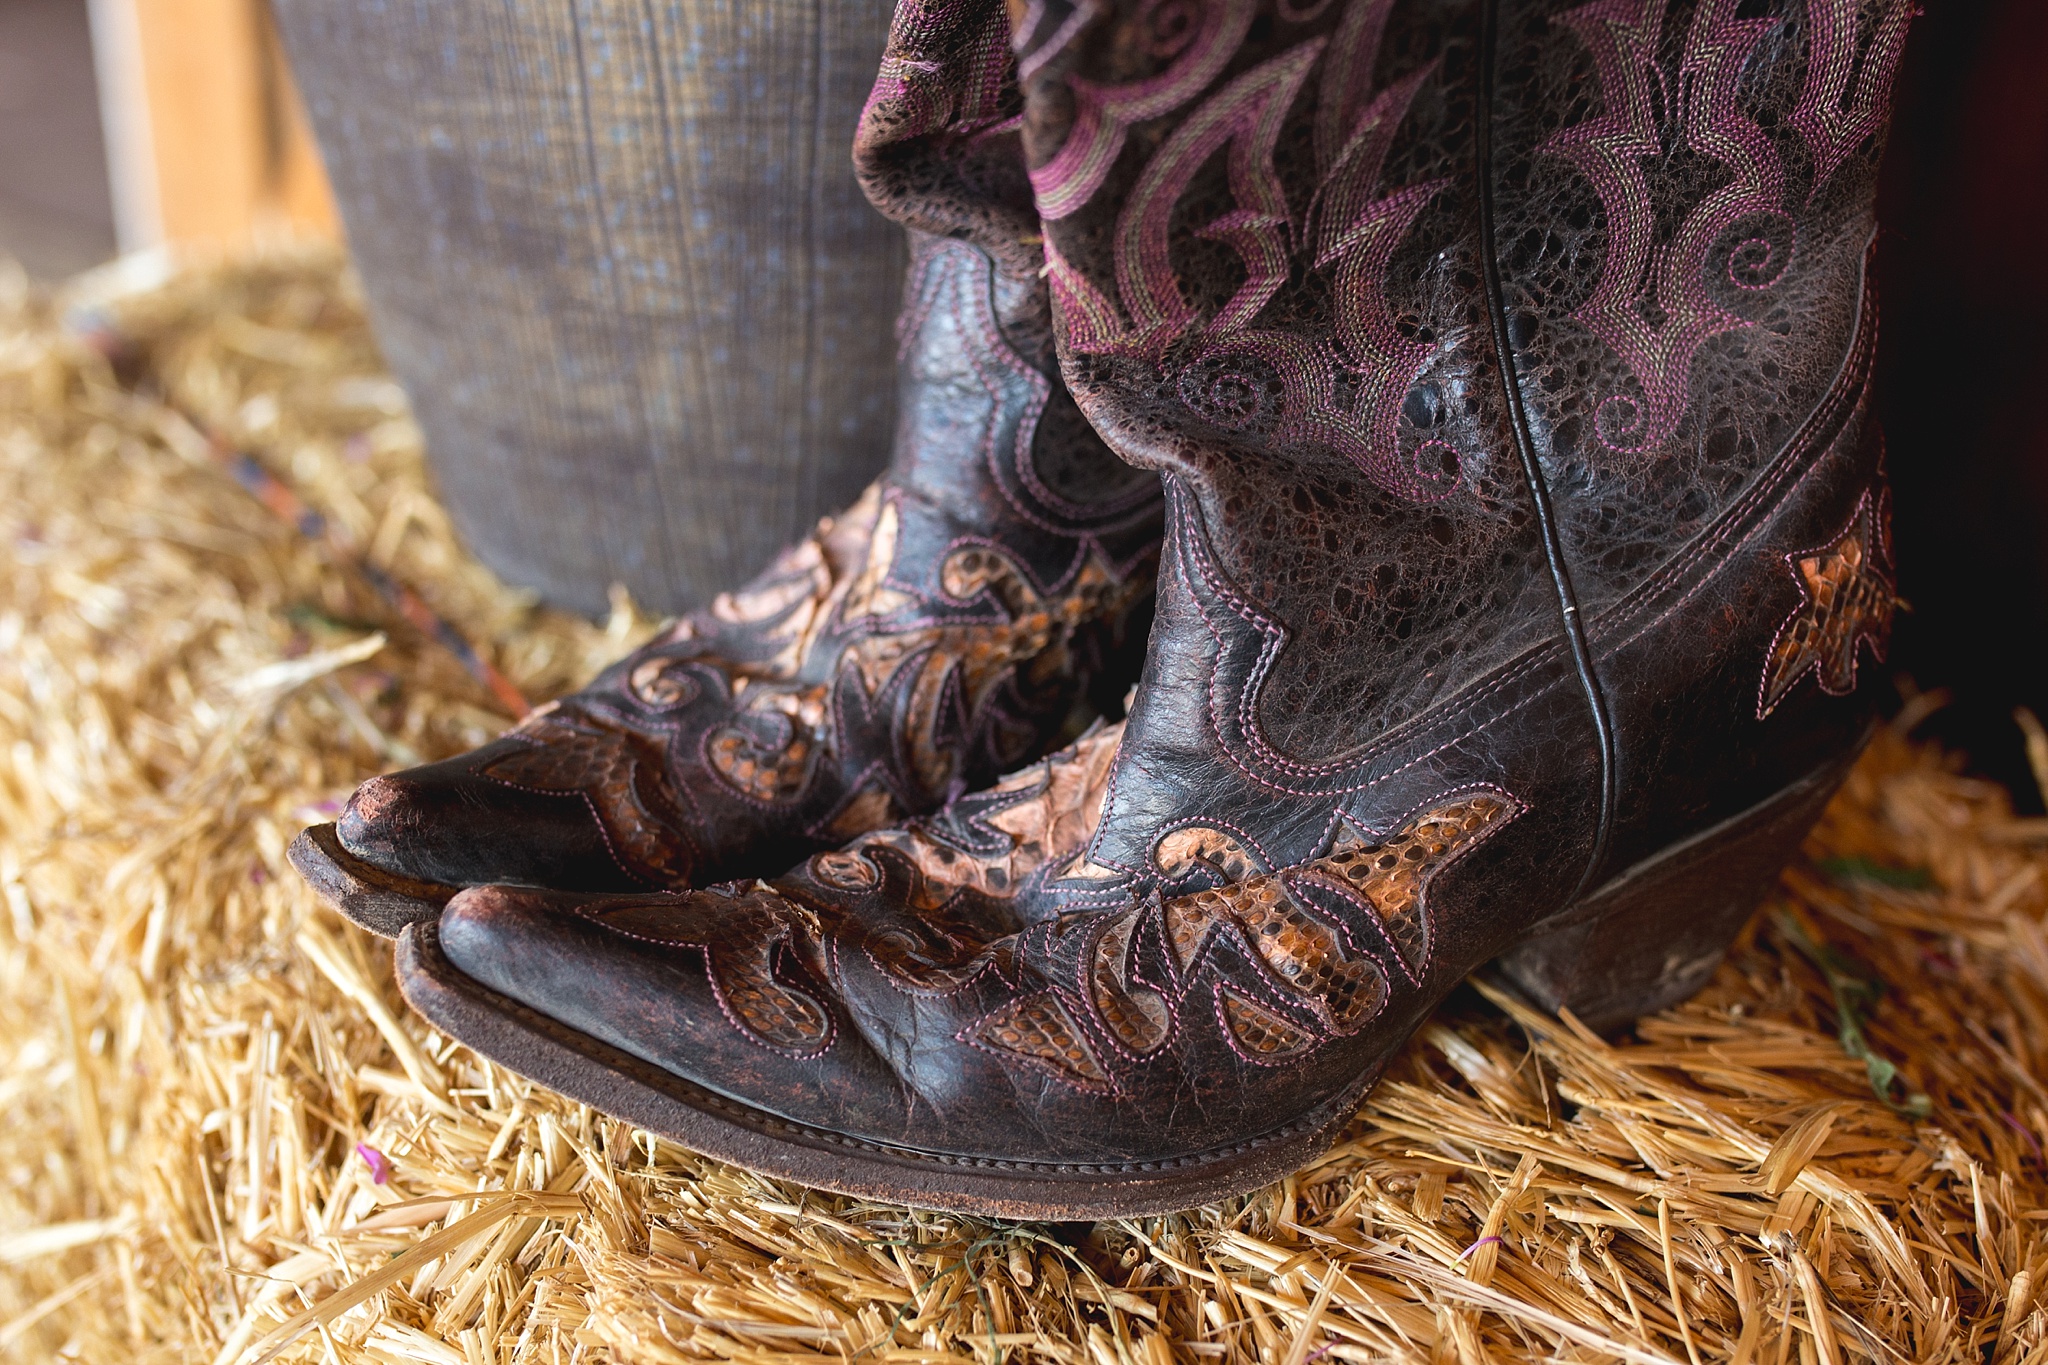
{"points": [[937, 149], [1488, 345], [990, 446]]}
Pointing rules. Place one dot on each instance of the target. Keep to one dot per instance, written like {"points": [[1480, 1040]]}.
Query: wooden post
{"points": [[207, 142]]}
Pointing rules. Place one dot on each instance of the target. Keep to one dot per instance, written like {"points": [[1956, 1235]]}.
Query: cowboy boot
{"points": [[1507, 364], [934, 635]]}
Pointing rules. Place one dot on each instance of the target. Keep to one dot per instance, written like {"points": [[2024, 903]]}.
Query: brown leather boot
{"points": [[1507, 364], [932, 636]]}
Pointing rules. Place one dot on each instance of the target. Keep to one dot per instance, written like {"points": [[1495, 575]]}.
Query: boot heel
{"points": [[1653, 936]]}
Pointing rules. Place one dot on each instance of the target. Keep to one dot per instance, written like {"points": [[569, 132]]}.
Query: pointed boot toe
{"points": [[378, 899], [463, 823], [560, 951], [834, 1028]]}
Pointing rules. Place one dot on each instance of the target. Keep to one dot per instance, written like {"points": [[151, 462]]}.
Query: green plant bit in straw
{"points": [[1855, 993]]}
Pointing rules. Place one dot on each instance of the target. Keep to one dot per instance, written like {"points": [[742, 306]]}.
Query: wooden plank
{"points": [[298, 182], [207, 140]]}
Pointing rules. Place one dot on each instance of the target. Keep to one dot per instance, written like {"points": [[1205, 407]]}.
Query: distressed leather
{"points": [[934, 635], [1506, 365]]}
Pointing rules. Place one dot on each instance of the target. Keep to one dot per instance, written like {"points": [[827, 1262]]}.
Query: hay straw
{"points": [[226, 1137]]}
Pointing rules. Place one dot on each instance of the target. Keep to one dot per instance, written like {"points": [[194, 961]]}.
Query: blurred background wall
{"points": [[1963, 386], [130, 123], [615, 251], [56, 209]]}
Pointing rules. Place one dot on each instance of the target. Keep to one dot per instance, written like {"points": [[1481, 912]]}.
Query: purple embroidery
{"points": [[1756, 263], [916, 95], [1200, 47], [1651, 306], [1244, 117], [1347, 76], [1843, 103], [1342, 391]]}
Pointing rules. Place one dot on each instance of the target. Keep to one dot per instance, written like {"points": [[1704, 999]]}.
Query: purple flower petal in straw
{"points": [[2023, 1131], [380, 1169], [1467, 1252]]}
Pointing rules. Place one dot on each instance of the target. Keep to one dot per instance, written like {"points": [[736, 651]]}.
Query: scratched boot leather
{"points": [[1507, 366]]}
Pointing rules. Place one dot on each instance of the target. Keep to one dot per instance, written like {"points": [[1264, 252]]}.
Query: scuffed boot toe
{"points": [[451, 823]]}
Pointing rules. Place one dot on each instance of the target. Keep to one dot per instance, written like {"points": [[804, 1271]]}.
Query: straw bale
{"points": [[227, 1138]]}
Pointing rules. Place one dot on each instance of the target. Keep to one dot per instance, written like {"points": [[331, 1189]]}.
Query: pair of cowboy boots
{"points": [[1505, 366]]}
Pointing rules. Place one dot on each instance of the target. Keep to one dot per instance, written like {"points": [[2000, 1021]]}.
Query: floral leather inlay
{"points": [[1847, 599], [1260, 1034], [935, 905], [1039, 1030], [1310, 956]]}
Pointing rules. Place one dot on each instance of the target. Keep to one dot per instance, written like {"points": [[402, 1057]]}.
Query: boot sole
{"points": [[626, 1087], [1637, 944], [383, 902]]}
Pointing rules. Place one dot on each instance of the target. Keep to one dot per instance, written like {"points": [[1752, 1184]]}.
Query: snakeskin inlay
{"points": [[948, 672], [1050, 813], [1134, 1012], [970, 660], [1308, 955], [1192, 846], [662, 683], [614, 771], [1848, 599], [739, 935], [780, 1017], [765, 752], [1390, 875], [1261, 1034], [844, 871], [1039, 1029]]}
